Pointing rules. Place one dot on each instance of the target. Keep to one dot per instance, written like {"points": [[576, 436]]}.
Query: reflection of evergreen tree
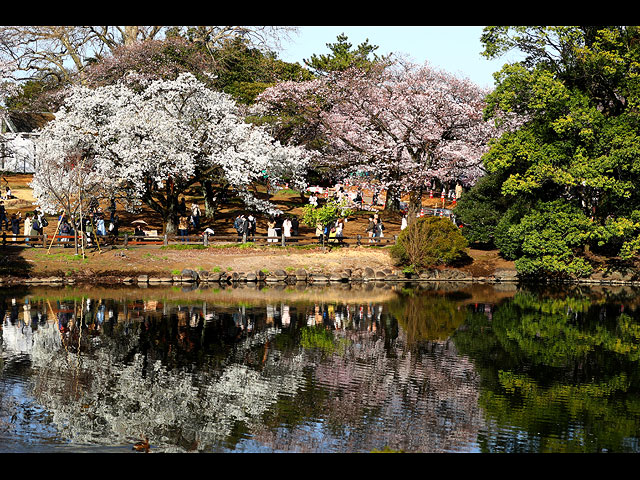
{"points": [[427, 316], [553, 366]]}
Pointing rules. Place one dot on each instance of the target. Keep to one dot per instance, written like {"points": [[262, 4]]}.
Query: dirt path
{"points": [[157, 260]]}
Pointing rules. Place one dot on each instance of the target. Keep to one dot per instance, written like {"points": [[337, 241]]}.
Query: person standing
{"points": [[112, 209], [371, 226], [295, 227], [236, 226], [114, 224], [15, 224], [27, 228], [195, 215], [4, 221], [240, 224], [65, 231], [286, 227], [244, 228], [35, 225], [100, 227], [379, 230], [271, 231], [319, 232], [183, 228], [403, 224], [339, 228], [251, 224]]}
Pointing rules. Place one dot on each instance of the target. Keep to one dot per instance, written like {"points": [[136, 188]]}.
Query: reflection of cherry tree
{"points": [[404, 125], [375, 389], [401, 399]]}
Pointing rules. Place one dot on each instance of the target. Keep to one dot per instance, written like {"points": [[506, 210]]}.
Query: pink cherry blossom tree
{"points": [[403, 124]]}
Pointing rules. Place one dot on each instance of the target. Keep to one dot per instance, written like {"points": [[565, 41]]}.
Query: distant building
{"points": [[17, 132]]}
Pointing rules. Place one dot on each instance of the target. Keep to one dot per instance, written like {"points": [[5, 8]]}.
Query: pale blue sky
{"points": [[455, 49]]}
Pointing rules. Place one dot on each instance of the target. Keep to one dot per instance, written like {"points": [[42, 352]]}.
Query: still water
{"points": [[413, 368]]}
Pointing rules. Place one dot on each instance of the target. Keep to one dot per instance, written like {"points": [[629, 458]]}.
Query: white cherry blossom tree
{"points": [[151, 146]]}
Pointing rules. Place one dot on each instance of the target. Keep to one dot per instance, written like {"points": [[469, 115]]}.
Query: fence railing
{"points": [[128, 240]]}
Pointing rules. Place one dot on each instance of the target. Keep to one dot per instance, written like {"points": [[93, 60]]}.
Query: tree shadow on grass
{"points": [[13, 263]]}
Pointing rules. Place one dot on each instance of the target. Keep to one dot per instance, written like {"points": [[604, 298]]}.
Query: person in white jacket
{"points": [[27, 227]]}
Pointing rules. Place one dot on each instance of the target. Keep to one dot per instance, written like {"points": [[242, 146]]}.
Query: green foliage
{"points": [[567, 173], [245, 72], [580, 351], [324, 215], [429, 241], [343, 57], [481, 208], [185, 246], [322, 339], [548, 240], [37, 95]]}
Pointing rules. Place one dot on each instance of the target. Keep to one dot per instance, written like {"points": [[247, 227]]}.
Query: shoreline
{"points": [[299, 277]]}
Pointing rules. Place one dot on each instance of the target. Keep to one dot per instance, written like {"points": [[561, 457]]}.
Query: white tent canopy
{"points": [[17, 153]]}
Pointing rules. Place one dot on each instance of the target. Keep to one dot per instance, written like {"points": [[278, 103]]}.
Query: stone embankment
{"points": [[290, 276], [367, 274]]}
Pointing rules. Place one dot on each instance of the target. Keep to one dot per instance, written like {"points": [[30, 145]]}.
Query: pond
{"points": [[363, 368]]}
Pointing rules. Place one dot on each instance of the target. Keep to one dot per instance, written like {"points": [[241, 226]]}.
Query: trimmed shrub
{"points": [[429, 241]]}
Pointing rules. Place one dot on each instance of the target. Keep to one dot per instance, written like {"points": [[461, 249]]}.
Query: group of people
{"points": [[245, 226], [92, 226], [7, 194], [375, 228], [33, 223], [350, 198], [189, 219], [332, 232], [277, 226]]}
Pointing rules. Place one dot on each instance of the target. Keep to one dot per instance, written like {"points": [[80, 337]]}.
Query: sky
{"points": [[455, 49]]}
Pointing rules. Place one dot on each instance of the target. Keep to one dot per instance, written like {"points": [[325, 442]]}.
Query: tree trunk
{"points": [[130, 35], [210, 203], [171, 216], [392, 201], [415, 205]]}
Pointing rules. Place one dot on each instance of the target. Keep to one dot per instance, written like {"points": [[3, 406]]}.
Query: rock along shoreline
{"points": [[302, 276]]}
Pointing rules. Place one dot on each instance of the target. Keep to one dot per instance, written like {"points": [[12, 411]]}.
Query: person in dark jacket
{"points": [[15, 224], [4, 221]]}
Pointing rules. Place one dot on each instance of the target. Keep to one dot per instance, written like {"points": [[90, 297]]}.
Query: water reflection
{"points": [[435, 368]]}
